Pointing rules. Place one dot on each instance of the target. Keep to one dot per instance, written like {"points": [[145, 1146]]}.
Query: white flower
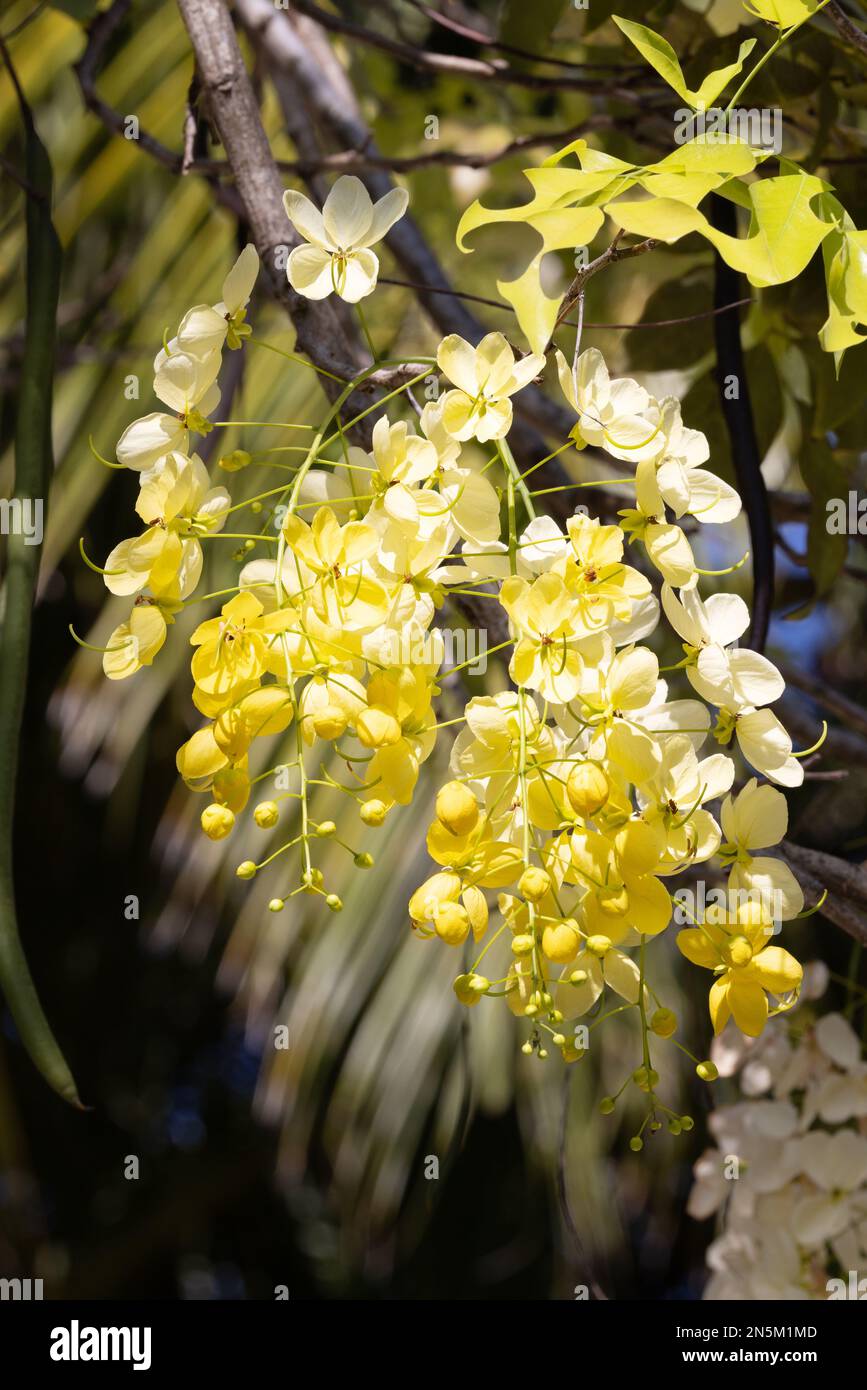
{"points": [[716, 621], [618, 416], [187, 385], [399, 461], [338, 259], [485, 377], [686, 486], [765, 745], [837, 1165], [205, 328], [755, 819]]}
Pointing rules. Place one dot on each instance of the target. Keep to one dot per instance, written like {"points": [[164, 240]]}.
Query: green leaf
{"points": [[845, 258], [33, 472], [784, 231], [659, 53], [781, 13]]}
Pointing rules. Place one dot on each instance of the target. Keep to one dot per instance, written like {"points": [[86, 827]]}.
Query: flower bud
{"points": [[373, 812], [246, 870], [534, 884], [334, 902], [363, 861], [217, 821], [376, 728], [598, 946], [522, 944], [276, 905], [266, 814], [236, 460], [606, 1105], [561, 942], [707, 1071], [452, 923], [588, 789], [470, 988], [663, 1023], [325, 827], [457, 808], [329, 722]]}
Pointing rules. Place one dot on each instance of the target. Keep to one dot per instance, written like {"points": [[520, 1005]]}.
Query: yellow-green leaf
{"points": [[659, 53]]}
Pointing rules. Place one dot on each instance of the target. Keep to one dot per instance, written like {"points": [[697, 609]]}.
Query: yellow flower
{"points": [[547, 622], [235, 650], [178, 506], [400, 725], [748, 969], [485, 378], [666, 545], [622, 890], [136, 642], [338, 259]]}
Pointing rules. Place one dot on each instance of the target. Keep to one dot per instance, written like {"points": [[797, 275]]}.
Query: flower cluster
{"points": [[788, 1176], [579, 794], [176, 502]]}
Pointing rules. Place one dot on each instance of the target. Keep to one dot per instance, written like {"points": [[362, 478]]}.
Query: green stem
{"points": [[777, 44]]}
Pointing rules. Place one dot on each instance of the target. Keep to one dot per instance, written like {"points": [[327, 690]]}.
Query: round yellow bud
{"points": [[452, 923], [578, 977], [363, 860], [325, 827], [376, 728], [334, 902], [329, 722], [470, 988], [217, 821], [246, 870], [276, 905], [588, 789], [266, 814], [457, 808], [598, 945], [663, 1023], [707, 1071], [522, 944], [373, 812], [561, 942], [534, 884], [234, 462]]}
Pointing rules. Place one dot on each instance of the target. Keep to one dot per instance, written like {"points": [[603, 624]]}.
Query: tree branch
{"points": [[740, 424]]}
